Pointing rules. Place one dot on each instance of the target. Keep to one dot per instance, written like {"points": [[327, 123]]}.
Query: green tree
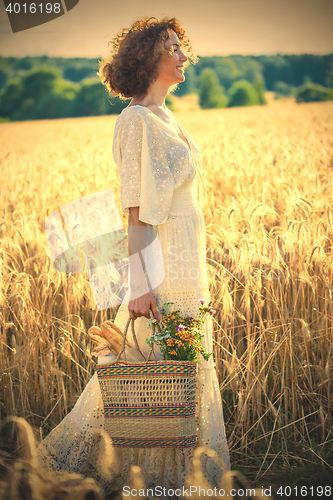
{"points": [[211, 93], [38, 85], [249, 69], [47, 95], [227, 71], [3, 78], [242, 93], [92, 99], [59, 103], [39, 82], [283, 89], [310, 91], [24, 64], [259, 87], [78, 73], [11, 98], [329, 75], [169, 102]]}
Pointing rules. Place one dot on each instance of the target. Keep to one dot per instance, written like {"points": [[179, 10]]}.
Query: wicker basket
{"points": [[149, 404]]}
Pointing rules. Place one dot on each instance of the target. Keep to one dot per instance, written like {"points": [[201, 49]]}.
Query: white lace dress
{"points": [[158, 173]]}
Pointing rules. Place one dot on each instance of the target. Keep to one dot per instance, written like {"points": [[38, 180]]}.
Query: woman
{"points": [[158, 164]]}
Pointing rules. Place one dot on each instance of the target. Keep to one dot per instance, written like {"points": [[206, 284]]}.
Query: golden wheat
{"points": [[20, 479], [268, 208]]}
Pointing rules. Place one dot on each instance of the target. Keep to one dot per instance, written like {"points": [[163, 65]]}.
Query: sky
{"points": [[215, 27]]}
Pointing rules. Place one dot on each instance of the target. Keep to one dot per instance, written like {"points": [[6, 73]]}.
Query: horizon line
{"points": [[213, 55]]}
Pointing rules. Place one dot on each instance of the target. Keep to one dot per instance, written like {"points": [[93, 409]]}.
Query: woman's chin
{"points": [[180, 78]]}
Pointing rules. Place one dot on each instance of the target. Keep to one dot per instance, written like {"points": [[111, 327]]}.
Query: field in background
{"points": [[268, 208], [190, 102]]}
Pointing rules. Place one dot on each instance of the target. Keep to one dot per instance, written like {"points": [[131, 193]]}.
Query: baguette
{"points": [[108, 332], [110, 329], [102, 350], [95, 335]]}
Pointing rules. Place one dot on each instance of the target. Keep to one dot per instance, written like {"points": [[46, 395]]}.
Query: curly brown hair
{"points": [[132, 65]]}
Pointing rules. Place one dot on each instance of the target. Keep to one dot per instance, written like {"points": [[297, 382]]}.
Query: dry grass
{"points": [[268, 207], [20, 478]]}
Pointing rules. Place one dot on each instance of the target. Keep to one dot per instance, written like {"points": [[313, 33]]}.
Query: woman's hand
{"points": [[141, 306]]}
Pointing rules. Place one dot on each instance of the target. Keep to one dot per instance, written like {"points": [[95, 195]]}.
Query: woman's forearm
{"points": [[136, 249]]}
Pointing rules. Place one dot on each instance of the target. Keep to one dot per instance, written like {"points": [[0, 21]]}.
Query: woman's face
{"points": [[171, 65]]}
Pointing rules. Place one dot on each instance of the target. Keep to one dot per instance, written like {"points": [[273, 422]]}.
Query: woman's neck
{"points": [[155, 97]]}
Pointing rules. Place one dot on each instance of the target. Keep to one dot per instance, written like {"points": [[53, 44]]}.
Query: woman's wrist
{"points": [[143, 287]]}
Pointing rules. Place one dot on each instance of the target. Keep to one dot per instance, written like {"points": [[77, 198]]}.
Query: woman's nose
{"points": [[183, 57]]}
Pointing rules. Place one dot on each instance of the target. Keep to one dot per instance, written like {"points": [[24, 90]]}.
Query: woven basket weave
{"points": [[149, 404]]}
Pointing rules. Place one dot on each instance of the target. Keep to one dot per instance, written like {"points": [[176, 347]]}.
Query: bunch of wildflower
{"points": [[179, 338]]}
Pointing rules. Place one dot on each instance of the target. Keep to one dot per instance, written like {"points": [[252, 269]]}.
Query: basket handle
{"points": [[122, 351]]}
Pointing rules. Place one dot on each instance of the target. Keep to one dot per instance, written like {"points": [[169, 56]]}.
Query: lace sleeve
{"points": [[140, 154]]}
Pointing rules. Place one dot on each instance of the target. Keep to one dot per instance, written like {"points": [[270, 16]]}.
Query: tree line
{"points": [[44, 87]]}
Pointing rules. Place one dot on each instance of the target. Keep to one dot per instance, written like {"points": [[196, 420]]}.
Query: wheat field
{"points": [[268, 208]]}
